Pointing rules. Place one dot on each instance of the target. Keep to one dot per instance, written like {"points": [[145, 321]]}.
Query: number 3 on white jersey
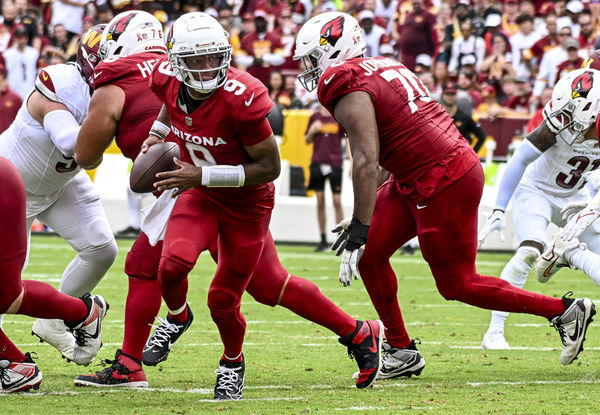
{"points": [[413, 85], [206, 156]]}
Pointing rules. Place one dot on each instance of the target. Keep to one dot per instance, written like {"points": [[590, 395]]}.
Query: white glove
{"points": [[349, 266], [572, 208], [342, 230], [579, 223], [494, 222]]}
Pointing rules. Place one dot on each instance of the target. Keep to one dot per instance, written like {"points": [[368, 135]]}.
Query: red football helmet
{"points": [[87, 51], [592, 61]]}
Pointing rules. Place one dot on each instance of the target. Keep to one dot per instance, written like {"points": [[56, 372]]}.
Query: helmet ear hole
{"points": [[335, 54]]}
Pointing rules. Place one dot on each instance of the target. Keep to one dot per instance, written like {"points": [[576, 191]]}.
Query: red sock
{"points": [[41, 300], [232, 328], [181, 317], [8, 350], [319, 309], [142, 306], [236, 360]]}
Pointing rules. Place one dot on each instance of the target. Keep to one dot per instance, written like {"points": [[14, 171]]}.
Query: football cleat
{"points": [[19, 376], [159, 345], [494, 340], [572, 326], [88, 334], [116, 375], [404, 362], [56, 333], [364, 345], [553, 259], [230, 380]]}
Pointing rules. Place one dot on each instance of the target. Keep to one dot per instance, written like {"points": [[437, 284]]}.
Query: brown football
{"points": [[592, 61], [157, 159]]}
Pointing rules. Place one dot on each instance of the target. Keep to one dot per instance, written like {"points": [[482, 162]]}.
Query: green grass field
{"points": [[297, 367]]}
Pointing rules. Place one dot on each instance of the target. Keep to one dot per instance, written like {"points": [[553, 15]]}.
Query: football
{"points": [[592, 61], [157, 159]]}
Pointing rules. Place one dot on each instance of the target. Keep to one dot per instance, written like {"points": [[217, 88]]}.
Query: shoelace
{"points": [[81, 336], [4, 376], [163, 332], [226, 380]]}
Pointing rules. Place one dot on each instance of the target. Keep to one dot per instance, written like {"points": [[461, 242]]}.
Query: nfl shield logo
{"points": [[188, 121]]}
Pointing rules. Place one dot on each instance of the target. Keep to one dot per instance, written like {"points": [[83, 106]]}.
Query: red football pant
{"points": [[447, 232], [39, 299], [194, 223]]}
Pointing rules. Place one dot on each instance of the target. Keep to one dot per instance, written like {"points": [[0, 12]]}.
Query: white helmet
{"points": [[575, 104], [194, 35], [132, 32], [325, 39]]}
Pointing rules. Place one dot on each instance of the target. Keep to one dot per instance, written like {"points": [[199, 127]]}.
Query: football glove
{"points": [[342, 230], [351, 248], [494, 222], [572, 208], [579, 222]]}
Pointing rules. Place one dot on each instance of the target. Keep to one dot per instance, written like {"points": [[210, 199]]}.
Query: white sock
{"points": [[178, 310], [587, 261], [134, 204], [515, 272]]}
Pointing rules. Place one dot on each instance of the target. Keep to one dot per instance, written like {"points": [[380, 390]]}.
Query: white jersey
{"points": [[44, 169], [559, 170]]}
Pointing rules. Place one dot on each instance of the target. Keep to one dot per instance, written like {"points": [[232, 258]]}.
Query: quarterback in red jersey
{"points": [[123, 106], [433, 193], [38, 299]]}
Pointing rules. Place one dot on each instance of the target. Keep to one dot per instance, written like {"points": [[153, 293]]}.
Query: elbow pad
{"points": [[63, 129], [526, 154]]}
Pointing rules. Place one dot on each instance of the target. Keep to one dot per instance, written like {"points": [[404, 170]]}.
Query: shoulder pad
{"points": [[45, 86]]}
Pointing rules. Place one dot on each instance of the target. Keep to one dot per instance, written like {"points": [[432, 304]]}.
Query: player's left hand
{"points": [[579, 222], [186, 177], [351, 248], [572, 208]]}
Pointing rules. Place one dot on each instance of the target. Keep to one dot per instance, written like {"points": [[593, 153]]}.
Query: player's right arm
{"points": [[537, 142], [159, 129], [100, 125]]}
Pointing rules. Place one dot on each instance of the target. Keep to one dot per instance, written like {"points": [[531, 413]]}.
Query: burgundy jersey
{"points": [[232, 118], [141, 107], [418, 141]]}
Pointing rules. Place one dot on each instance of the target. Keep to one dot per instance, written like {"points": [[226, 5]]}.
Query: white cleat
{"points": [[553, 259], [19, 376], [494, 340], [55, 333], [572, 326], [88, 334]]}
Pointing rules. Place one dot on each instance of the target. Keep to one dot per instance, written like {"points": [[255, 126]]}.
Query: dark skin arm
{"points": [[100, 126], [264, 168], [163, 116], [355, 112]]}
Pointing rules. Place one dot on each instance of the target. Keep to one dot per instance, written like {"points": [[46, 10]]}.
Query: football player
{"points": [[560, 152], [40, 143], [433, 193], [123, 106], [83, 315]]}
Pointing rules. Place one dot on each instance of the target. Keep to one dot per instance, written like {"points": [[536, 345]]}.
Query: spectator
{"points": [[10, 102], [290, 87], [105, 13], [520, 42], [422, 63], [519, 99], [549, 65], [499, 62], [286, 32], [417, 35], [493, 25], [587, 35], [466, 44], [272, 9], [573, 60], [326, 165], [490, 108], [374, 35], [538, 115], [260, 47], [533, 56], [9, 25], [21, 64], [69, 13], [510, 12], [573, 9], [440, 75], [387, 51], [386, 10], [463, 121], [453, 30], [466, 83], [276, 89]]}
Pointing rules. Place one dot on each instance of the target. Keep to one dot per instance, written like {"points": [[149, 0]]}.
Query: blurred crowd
{"points": [[500, 57]]}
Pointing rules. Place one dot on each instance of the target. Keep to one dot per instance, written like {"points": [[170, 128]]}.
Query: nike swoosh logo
{"points": [[547, 270], [577, 332], [373, 348], [97, 74], [326, 81], [249, 101], [421, 206]]}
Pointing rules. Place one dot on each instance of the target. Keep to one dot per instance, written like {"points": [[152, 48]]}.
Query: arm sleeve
{"points": [[63, 129], [526, 153]]}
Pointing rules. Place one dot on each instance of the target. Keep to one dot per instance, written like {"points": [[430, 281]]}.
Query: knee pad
{"points": [[171, 270], [222, 301], [143, 259]]}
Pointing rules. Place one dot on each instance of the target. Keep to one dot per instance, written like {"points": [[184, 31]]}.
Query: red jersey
{"points": [[418, 141], [232, 118], [141, 107]]}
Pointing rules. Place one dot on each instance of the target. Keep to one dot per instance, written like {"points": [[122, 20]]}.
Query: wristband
{"points": [[223, 176], [357, 235], [159, 129]]}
